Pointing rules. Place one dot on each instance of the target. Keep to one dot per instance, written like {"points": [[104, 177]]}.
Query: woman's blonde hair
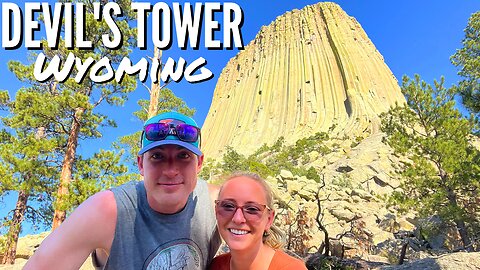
{"points": [[274, 236]]}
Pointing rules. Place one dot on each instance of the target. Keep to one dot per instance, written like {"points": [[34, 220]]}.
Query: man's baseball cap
{"points": [[171, 128]]}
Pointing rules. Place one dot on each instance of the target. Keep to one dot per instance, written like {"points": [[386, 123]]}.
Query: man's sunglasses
{"points": [[160, 131], [251, 211]]}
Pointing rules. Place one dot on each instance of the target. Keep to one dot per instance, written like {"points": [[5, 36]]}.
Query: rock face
{"points": [[459, 260], [307, 71], [356, 181], [27, 246]]}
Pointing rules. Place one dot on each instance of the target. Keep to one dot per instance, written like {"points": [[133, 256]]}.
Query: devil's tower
{"points": [[309, 70]]}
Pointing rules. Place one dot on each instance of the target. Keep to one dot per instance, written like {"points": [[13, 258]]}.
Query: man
{"points": [[165, 221]]}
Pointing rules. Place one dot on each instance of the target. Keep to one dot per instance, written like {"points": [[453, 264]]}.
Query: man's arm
{"points": [[90, 226]]}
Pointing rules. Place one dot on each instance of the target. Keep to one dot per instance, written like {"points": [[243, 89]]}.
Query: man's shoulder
{"points": [[128, 190], [101, 203], [203, 188], [101, 210], [129, 186]]}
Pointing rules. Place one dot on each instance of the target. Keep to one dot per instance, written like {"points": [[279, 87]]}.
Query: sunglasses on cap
{"points": [[160, 131], [251, 211]]}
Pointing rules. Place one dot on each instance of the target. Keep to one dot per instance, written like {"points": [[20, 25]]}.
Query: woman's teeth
{"points": [[240, 232]]}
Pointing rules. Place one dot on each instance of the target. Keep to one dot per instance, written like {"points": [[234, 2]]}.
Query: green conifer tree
{"points": [[442, 176], [43, 127], [29, 154], [468, 60], [81, 119]]}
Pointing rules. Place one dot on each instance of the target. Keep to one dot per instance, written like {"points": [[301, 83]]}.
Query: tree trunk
{"points": [[462, 229], [403, 252], [326, 239], [326, 242], [66, 175], [15, 226], [155, 87]]}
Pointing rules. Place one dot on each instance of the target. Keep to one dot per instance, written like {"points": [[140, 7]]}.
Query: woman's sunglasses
{"points": [[160, 131], [251, 211]]}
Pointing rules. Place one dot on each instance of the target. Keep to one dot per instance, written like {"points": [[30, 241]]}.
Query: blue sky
{"points": [[413, 36]]}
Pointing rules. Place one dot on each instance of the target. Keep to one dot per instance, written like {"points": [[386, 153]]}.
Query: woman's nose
{"points": [[238, 216]]}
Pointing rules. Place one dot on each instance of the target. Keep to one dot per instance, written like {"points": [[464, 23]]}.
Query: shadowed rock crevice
{"points": [[338, 61]]}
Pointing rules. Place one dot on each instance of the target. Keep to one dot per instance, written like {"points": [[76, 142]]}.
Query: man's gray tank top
{"points": [[146, 239]]}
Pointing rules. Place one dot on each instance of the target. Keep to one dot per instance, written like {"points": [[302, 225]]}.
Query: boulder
{"points": [[342, 214], [362, 194], [286, 175], [452, 261]]}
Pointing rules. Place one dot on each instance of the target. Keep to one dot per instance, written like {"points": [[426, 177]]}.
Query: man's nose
{"points": [[171, 170]]}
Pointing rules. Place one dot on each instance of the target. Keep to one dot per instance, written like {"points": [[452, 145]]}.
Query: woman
{"points": [[245, 215]]}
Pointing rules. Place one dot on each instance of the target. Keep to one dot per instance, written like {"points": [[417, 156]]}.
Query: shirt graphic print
{"points": [[181, 254]]}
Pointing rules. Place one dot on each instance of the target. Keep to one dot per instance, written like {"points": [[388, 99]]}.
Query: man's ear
{"points": [[200, 163], [140, 164]]}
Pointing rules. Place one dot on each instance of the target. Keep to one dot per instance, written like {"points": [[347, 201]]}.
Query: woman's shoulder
{"points": [[220, 262], [283, 261]]}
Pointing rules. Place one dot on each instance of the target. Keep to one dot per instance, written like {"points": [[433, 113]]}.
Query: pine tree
{"points": [[81, 121], [468, 60], [442, 175], [94, 94], [29, 151], [42, 130]]}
